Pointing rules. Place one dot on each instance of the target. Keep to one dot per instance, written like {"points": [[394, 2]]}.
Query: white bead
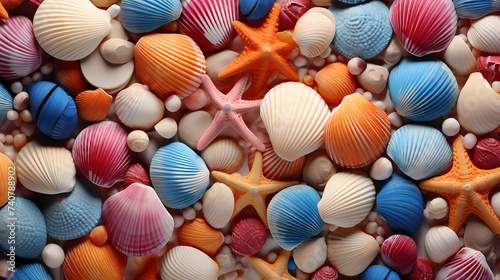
{"points": [[381, 169], [37, 76], [53, 255], [300, 61], [470, 141], [371, 227], [197, 206], [178, 221], [189, 214], [450, 127], [368, 95], [173, 103], [395, 119], [16, 87], [47, 68]]}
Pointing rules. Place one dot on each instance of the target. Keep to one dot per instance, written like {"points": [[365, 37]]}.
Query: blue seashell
{"points": [[401, 204], [179, 175], [32, 271], [363, 30], [69, 216], [141, 16], [379, 272], [476, 8], [291, 265], [423, 89], [255, 9], [293, 216], [30, 231], [53, 109], [6, 103], [419, 151], [352, 1]]}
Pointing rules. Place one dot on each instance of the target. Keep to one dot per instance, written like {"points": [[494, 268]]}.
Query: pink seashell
{"points": [[325, 273], [101, 153], [429, 28], [489, 66], [137, 174], [248, 237], [422, 270], [291, 11], [486, 153], [400, 253], [20, 54], [276, 168], [36, 2], [466, 264], [137, 222]]}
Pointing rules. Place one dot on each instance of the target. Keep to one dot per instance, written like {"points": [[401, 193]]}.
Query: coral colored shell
{"points": [[224, 155], [184, 262], [325, 273], [218, 205], [6, 103], [357, 132], [466, 264], [479, 236], [489, 66], [486, 153], [458, 56], [335, 82], [310, 255], [99, 235], [45, 169], [276, 168], [103, 160], [248, 237], [314, 31], [31, 271], [137, 222], [137, 174], [294, 116], [93, 105], [423, 270], [69, 76], [476, 8], [419, 151], [20, 54], [169, 64], [291, 11], [141, 16], [379, 272], [200, 235], [400, 253], [441, 243], [484, 34], [8, 179]]}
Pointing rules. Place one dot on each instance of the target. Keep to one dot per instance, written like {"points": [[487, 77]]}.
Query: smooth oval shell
{"points": [[486, 153], [458, 56], [200, 235], [32, 271], [6, 103], [8, 179], [314, 31], [291, 11], [137, 174], [224, 155], [466, 264], [441, 243], [276, 168], [218, 205], [335, 82], [184, 262], [325, 273], [248, 237], [141, 16], [476, 8], [423, 270], [399, 252], [379, 272], [310, 255], [489, 66], [93, 105], [484, 34]]}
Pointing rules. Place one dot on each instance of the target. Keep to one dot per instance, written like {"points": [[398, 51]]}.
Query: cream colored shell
{"points": [[479, 236], [484, 34], [441, 242], [458, 56], [314, 31], [310, 255], [224, 155], [218, 205], [184, 262]]}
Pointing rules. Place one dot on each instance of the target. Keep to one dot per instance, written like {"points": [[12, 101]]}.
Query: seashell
{"points": [[479, 236], [291, 11], [20, 54], [401, 204], [70, 30], [53, 109], [350, 250], [476, 8], [69, 76], [177, 70], [276, 168], [103, 160], [423, 270], [437, 208], [310, 255], [357, 132], [31, 271], [8, 179], [103, 3], [419, 151], [10, 4], [288, 212], [314, 32], [224, 155], [200, 235], [36, 2], [179, 175], [218, 205], [149, 272], [141, 16], [466, 264], [137, 174], [486, 153], [256, 9], [166, 128], [138, 141], [93, 105], [184, 262], [373, 78], [325, 273], [399, 252], [362, 30], [318, 169], [137, 232], [248, 237], [347, 199], [484, 34], [458, 56], [335, 82], [45, 169], [294, 116], [99, 235], [30, 231], [489, 66], [441, 243], [379, 272], [478, 106], [423, 89], [6, 103]]}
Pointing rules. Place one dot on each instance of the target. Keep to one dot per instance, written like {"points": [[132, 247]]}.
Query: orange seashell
{"points": [[357, 132], [69, 76], [3, 12], [93, 105], [200, 235], [10, 4], [8, 179], [276, 168], [335, 82], [169, 64], [99, 235], [149, 272]]}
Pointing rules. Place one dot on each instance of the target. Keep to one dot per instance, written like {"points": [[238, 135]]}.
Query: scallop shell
{"points": [[256, 9], [478, 106], [276, 168], [314, 31], [294, 116], [335, 82], [423, 89], [476, 8], [357, 132], [224, 155], [218, 205], [479, 236], [141, 16], [466, 264], [183, 262], [489, 66], [458, 56], [419, 151], [137, 222], [291, 11], [179, 175], [248, 237], [103, 160], [400, 253], [20, 54], [137, 174], [486, 153], [441, 243], [423, 270], [70, 30], [293, 216], [6, 103], [484, 34], [325, 273], [379, 272], [31, 271], [351, 251], [11, 4], [69, 76], [8, 179], [149, 272], [310, 255], [93, 105], [200, 235], [175, 68]]}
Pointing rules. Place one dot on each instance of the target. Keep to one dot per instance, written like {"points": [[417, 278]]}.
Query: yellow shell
{"points": [[200, 235], [8, 179]]}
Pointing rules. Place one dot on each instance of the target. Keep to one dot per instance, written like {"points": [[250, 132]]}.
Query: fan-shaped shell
{"points": [[93, 105], [489, 66], [294, 116], [486, 153], [218, 205], [423, 269], [400, 253], [141, 16], [200, 235], [458, 56], [441, 243], [325, 273], [8, 179], [32, 271], [314, 31], [276, 168], [291, 11], [335, 82], [224, 155], [379, 272], [310, 255], [10, 4], [476, 8], [484, 34], [466, 264], [183, 262], [419, 151], [6, 103], [169, 64], [479, 236], [69, 76], [137, 174], [248, 237]]}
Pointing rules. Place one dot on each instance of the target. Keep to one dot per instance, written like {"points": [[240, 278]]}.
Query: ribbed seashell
{"points": [[294, 116], [104, 3], [379, 272], [54, 111], [31, 271], [8, 179], [30, 231], [276, 168], [256, 9], [10, 4], [179, 175], [357, 132], [441, 242], [419, 151], [20, 55], [466, 264], [103, 160], [423, 89], [484, 34], [362, 30], [347, 199], [218, 205], [184, 262], [478, 106], [479, 236], [325, 273], [486, 153], [70, 30], [36, 2], [422, 270], [137, 174], [291, 11], [137, 222], [6, 103], [314, 31], [248, 237], [489, 66], [458, 56], [200, 235], [401, 204], [350, 250], [224, 155], [400, 253], [69, 76], [141, 16], [335, 82], [169, 64], [149, 272], [93, 105], [310, 255], [476, 8]]}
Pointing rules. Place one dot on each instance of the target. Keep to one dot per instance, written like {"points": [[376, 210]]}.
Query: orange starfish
{"points": [[253, 188], [277, 270], [466, 188], [265, 52]]}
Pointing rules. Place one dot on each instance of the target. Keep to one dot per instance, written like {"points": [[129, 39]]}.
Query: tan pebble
{"points": [[9, 139], [117, 51], [173, 103], [374, 78], [28, 129], [318, 169], [308, 80], [12, 115], [216, 62], [26, 116], [2, 138], [167, 128], [137, 141], [197, 100], [192, 126]]}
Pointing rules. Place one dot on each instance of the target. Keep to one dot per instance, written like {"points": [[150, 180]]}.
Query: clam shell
{"points": [[276, 168], [294, 116], [6, 103], [32, 271], [310, 255], [93, 105], [224, 155], [379, 272], [484, 34], [218, 205], [476, 8], [248, 237], [141, 16], [314, 31], [69, 76], [441, 243], [137, 174], [466, 264], [489, 66], [458, 56], [8, 179], [423, 270], [291, 11], [183, 262], [486, 153], [200, 235], [325, 273], [400, 253], [479, 236], [335, 82]]}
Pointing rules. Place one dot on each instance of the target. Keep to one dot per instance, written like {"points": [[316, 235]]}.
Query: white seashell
{"points": [[441, 242], [310, 255], [184, 262], [438, 208], [484, 34], [314, 31], [167, 128], [479, 236], [224, 155], [218, 205], [458, 56]]}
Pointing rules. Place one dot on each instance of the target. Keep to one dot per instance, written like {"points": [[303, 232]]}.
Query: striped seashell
{"points": [[6, 103], [184, 262], [137, 222], [314, 31], [484, 34], [335, 82], [399, 252], [479, 236], [36, 2], [149, 272], [141, 16], [177, 70], [310, 255], [357, 132], [93, 105], [69, 76], [224, 154], [10, 4], [200, 235], [379, 272], [489, 66], [466, 264], [476, 8], [458, 56], [291, 11], [276, 168], [325, 273], [423, 270], [218, 205], [137, 174], [486, 153], [441, 242], [31, 271], [8, 179], [248, 237]]}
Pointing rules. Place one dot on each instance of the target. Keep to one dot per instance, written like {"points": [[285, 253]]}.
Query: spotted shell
{"points": [[141, 16], [486, 153], [484, 34], [314, 31], [6, 103], [137, 174], [489, 66], [400, 253], [379, 272], [200, 235], [441, 243], [93, 105], [218, 205], [8, 179], [466, 264], [276, 168], [458, 56], [31, 271], [310, 255], [335, 82], [476, 8], [248, 237], [184, 262], [224, 154]]}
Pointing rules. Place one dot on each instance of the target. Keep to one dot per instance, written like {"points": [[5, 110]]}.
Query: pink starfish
{"points": [[230, 107]]}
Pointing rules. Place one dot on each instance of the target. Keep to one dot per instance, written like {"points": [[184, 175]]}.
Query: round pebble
{"points": [[197, 100], [16, 87], [9, 139], [26, 81], [12, 115], [99, 236], [450, 127], [28, 129], [47, 69], [53, 255], [371, 227], [20, 141], [137, 141], [372, 217], [189, 213], [26, 116], [173, 103], [381, 169], [37, 76], [395, 119], [356, 65], [331, 58], [380, 104], [192, 126], [367, 95], [197, 206], [167, 128], [2, 138], [300, 61], [178, 221], [272, 257], [470, 141]]}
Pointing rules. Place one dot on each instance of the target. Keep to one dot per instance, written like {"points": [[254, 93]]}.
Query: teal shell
{"points": [[6, 103], [32, 271], [141, 16]]}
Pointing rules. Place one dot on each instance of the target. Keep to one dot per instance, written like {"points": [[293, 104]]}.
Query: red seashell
{"points": [[423, 270], [489, 66], [248, 237], [325, 273], [137, 174], [486, 153], [466, 264], [291, 11], [400, 253], [276, 168]]}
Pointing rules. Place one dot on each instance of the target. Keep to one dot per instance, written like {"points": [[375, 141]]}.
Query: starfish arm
{"points": [[281, 264], [275, 186], [217, 97], [283, 67], [239, 125], [244, 62], [272, 19], [256, 173], [238, 183], [436, 185], [486, 213], [241, 202], [265, 270], [489, 180], [215, 128], [260, 206], [458, 213], [245, 106], [238, 89]]}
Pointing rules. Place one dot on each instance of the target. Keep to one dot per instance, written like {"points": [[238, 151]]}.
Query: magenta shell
{"points": [[325, 273], [276, 168], [137, 174], [20, 54], [486, 153], [489, 66], [291, 11], [464, 265], [422, 270], [248, 237], [400, 253], [36, 2]]}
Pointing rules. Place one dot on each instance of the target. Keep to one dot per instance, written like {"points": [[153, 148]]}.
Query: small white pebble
{"points": [[470, 141], [12, 115], [368, 95], [47, 68], [380, 104], [272, 257], [178, 221], [173, 103], [356, 65], [463, 37], [331, 58], [167, 128], [300, 61], [294, 54], [53, 255], [371, 227], [227, 239], [319, 62], [395, 119], [312, 72], [372, 217], [450, 127], [37, 76], [380, 231], [197, 206], [26, 81], [360, 90], [9, 139], [463, 30], [2, 138], [381, 169], [380, 240], [326, 53], [16, 87], [189, 213], [496, 86], [28, 129]]}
